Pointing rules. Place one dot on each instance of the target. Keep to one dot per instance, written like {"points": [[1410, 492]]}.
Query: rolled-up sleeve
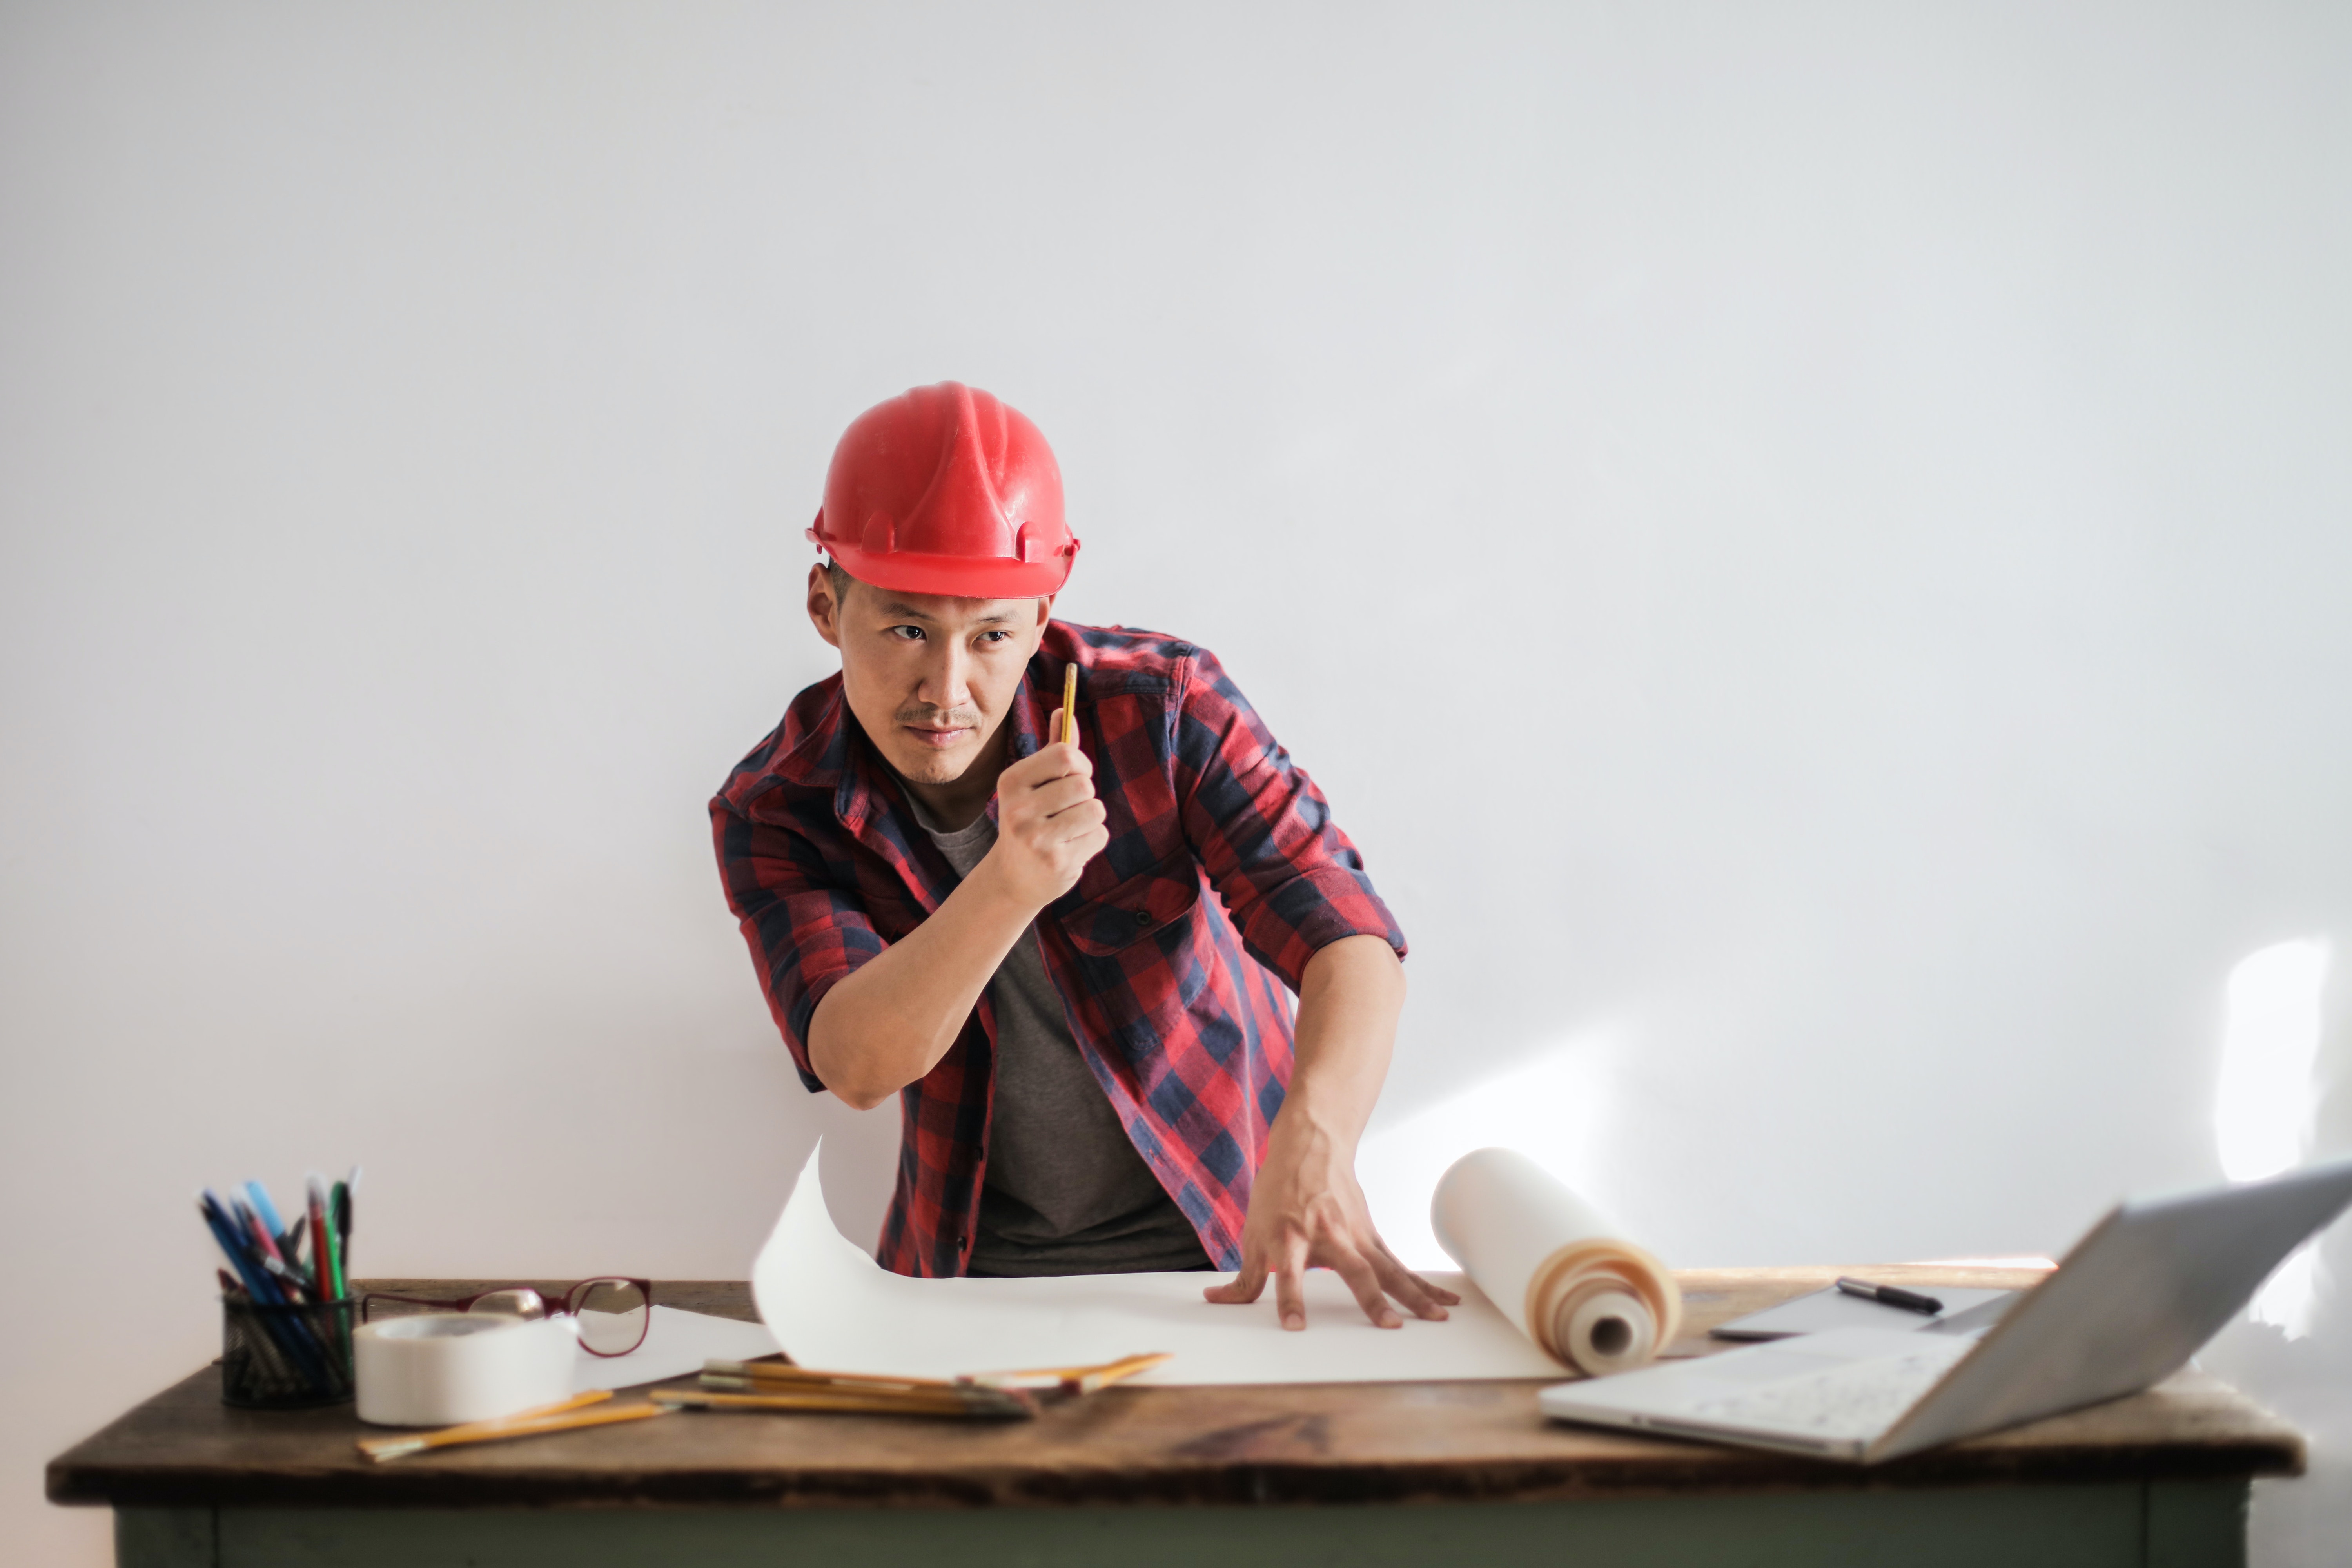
{"points": [[806, 929], [1292, 881]]}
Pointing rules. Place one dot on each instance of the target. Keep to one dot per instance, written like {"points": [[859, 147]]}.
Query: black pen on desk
{"points": [[1891, 1296]]}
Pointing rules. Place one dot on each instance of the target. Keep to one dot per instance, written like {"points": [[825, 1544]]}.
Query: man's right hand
{"points": [[1048, 826]]}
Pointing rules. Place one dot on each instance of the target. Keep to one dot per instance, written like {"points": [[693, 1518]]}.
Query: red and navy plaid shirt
{"points": [[1172, 995]]}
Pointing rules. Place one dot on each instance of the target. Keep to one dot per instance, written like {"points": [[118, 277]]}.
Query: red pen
{"points": [[284, 1273], [324, 1276]]}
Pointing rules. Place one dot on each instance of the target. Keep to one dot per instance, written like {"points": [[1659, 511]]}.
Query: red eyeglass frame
{"points": [[570, 1306]]}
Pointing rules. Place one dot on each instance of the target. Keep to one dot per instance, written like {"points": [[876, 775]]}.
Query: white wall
{"points": [[1808, 543]]}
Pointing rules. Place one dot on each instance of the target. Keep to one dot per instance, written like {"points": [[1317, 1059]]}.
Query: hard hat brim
{"points": [[957, 577]]}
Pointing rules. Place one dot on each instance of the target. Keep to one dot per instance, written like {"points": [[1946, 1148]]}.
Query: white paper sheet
{"points": [[676, 1344], [833, 1307]]}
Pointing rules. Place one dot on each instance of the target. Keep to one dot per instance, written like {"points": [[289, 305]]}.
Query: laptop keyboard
{"points": [[1858, 1400]]}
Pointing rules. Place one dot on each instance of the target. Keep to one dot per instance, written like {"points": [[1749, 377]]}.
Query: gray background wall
{"points": [[1808, 543]]}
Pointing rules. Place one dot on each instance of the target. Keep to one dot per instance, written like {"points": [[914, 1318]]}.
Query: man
{"points": [[1061, 955]]}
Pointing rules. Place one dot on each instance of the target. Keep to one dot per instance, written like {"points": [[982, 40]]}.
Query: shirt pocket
{"points": [[1146, 904]]}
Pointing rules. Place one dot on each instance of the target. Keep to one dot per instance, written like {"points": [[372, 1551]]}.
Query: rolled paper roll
{"points": [[1553, 1264]]}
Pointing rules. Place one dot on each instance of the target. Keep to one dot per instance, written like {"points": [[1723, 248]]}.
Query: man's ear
{"points": [[823, 613], [1045, 610]]}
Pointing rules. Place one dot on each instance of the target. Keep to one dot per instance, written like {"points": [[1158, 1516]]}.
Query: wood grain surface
{"points": [[1334, 1443]]}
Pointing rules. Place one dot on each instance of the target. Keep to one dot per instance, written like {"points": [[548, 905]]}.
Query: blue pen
{"points": [[242, 1221], [265, 1208], [256, 1284]]}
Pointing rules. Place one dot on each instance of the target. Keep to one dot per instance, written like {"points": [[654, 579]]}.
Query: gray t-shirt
{"points": [[1065, 1192]]}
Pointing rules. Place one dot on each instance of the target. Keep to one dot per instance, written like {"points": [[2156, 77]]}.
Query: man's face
{"points": [[929, 676]]}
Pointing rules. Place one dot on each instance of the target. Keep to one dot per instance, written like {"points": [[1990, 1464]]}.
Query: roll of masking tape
{"points": [[440, 1368]]}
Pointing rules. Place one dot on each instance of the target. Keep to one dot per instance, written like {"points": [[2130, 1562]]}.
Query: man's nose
{"points": [[947, 676]]}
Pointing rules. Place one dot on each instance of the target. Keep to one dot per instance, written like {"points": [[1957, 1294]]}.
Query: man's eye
{"points": [[995, 636], [908, 634]]}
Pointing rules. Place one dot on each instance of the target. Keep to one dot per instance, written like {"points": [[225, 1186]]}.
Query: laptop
{"points": [[2127, 1307]]}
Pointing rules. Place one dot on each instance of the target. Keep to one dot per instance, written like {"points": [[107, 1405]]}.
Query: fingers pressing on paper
{"points": [[1372, 1273], [1414, 1293], [1352, 1267], [1243, 1288], [1290, 1283], [1419, 1297]]}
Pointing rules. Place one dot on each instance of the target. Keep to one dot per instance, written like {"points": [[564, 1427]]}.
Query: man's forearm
{"points": [[1349, 999], [1306, 1206], [887, 1025]]}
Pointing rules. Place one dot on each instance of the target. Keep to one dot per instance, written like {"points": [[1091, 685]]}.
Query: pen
{"points": [[344, 1221], [290, 1338], [267, 1252], [286, 1288], [224, 1232], [322, 1261], [323, 1252], [339, 1226], [266, 1209], [1891, 1296]]}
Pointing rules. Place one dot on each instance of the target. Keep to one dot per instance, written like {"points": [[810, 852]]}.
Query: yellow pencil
{"points": [[1069, 725]]}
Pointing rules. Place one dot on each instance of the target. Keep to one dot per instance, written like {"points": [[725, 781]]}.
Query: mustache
{"points": [[935, 719]]}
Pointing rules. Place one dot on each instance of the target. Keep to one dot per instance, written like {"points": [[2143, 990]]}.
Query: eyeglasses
{"points": [[613, 1314]]}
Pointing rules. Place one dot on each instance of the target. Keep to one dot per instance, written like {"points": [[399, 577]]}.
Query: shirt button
{"points": [[1143, 917]]}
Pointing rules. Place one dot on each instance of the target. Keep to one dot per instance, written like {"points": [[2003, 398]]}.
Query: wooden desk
{"points": [[1425, 1474]]}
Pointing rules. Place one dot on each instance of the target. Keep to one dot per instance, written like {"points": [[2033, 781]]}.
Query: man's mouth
{"points": [[938, 740]]}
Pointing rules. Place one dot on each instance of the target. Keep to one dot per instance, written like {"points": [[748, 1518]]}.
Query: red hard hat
{"points": [[944, 489]]}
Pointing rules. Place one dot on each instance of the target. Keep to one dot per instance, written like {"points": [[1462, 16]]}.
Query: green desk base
{"points": [[2166, 1524]]}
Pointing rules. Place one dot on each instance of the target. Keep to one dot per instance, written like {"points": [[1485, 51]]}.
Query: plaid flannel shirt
{"points": [[1172, 996]]}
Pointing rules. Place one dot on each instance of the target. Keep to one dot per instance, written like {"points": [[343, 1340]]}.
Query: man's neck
{"points": [[957, 803]]}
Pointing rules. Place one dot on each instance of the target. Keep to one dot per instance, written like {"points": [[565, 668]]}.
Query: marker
{"points": [[1892, 1296], [325, 1258]]}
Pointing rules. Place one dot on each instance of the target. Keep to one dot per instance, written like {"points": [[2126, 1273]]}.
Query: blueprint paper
{"points": [[832, 1307]]}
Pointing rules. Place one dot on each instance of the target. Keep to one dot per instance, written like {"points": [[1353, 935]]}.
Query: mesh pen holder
{"points": [[286, 1358]]}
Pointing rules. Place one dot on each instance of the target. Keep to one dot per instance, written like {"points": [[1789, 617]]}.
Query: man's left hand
{"points": [[1305, 1210]]}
